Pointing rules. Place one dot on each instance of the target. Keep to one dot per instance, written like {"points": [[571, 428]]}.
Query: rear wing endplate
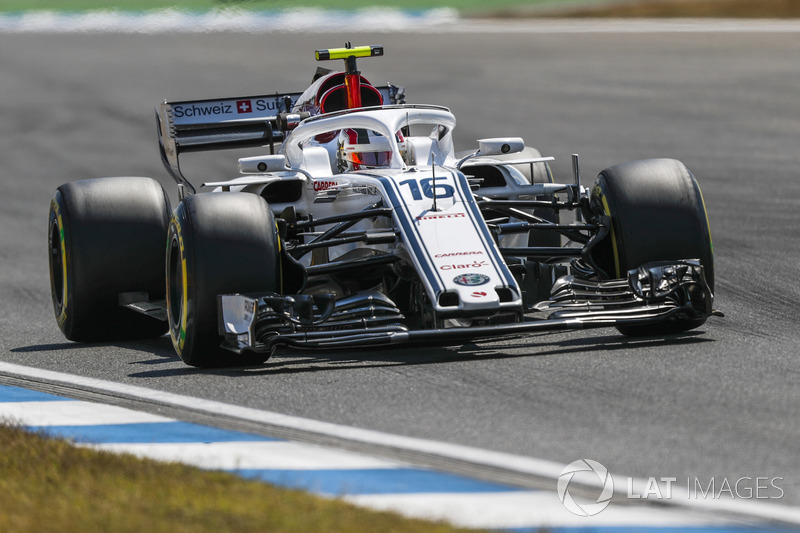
{"points": [[245, 122]]}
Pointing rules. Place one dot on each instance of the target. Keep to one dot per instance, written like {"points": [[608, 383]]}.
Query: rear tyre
{"points": [[657, 214], [106, 236], [219, 243]]}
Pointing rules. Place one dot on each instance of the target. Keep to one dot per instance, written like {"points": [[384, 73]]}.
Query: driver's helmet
{"points": [[361, 149]]}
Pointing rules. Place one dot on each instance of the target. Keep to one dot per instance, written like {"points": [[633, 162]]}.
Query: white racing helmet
{"points": [[361, 149]]}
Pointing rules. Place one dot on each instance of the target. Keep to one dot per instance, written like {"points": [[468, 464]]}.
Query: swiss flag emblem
{"points": [[244, 106]]}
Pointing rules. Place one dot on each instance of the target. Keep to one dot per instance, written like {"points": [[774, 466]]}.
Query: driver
{"points": [[361, 149]]}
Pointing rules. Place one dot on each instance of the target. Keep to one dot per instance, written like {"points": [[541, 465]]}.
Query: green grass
{"points": [[694, 8], [49, 485]]}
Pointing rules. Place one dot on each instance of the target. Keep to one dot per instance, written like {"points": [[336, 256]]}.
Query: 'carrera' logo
{"points": [[324, 185], [457, 254], [244, 106], [444, 215], [470, 280]]}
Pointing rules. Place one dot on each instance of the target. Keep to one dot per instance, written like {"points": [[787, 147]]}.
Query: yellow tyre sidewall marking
{"points": [[599, 192], [180, 341], [62, 317]]}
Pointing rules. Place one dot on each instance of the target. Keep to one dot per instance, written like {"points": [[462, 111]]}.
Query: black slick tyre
{"points": [[219, 243], [106, 237], [657, 214]]}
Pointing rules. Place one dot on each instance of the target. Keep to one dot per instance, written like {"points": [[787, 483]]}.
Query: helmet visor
{"points": [[371, 159]]}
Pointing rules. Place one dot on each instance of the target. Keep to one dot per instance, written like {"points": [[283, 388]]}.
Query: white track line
{"points": [[377, 20], [75, 413], [520, 509], [505, 461], [226, 20], [273, 455]]}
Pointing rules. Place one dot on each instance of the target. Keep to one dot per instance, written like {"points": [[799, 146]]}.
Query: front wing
{"points": [[652, 294]]}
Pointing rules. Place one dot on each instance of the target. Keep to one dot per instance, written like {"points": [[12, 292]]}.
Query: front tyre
{"points": [[219, 243], [657, 214]]}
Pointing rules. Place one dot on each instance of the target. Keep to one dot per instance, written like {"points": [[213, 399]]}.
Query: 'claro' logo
{"points": [[474, 264]]}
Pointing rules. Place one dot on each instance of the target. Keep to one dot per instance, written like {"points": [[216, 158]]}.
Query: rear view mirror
{"points": [[500, 146], [262, 163]]}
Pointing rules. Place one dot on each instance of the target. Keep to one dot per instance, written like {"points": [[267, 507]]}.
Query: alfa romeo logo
{"points": [[471, 279], [585, 509]]}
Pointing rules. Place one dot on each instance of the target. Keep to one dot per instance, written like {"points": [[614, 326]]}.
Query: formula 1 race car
{"points": [[363, 227]]}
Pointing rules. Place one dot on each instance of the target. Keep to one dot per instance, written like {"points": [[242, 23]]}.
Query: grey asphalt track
{"points": [[720, 403]]}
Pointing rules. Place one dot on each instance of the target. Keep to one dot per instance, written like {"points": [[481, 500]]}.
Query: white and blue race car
{"points": [[364, 227]]}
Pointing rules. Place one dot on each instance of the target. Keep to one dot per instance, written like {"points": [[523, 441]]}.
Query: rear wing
{"points": [[245, 122]]}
